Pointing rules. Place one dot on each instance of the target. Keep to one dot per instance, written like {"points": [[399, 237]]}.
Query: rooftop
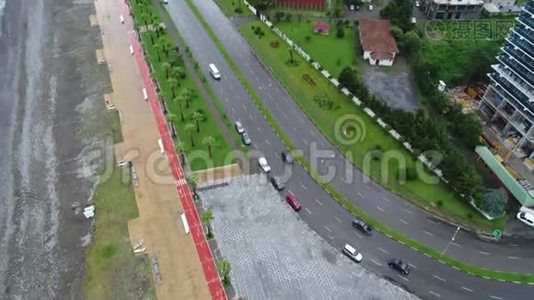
{"points": [[375, 37], [459, 2]]}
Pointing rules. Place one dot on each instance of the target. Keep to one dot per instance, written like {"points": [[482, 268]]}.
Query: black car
{"points": [[399, 266], [287, 157], [362, 226], [277, 183]]}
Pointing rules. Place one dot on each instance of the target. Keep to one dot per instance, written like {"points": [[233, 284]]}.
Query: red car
{"points": [[292, 200]]}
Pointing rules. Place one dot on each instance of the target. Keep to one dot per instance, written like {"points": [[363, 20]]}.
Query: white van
{"points": [[214, 71]]}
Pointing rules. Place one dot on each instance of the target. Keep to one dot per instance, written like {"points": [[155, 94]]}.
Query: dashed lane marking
{"points": [[327, 229], [513, 257], [429, 233], [385, 198], [435, 294], [259, 129], [495, 297], [320, 203], [467, 289], [456, 245], [338, 219], [361, 195], [484, 253], [513, 245], [439, 278], [267, 142], [403, 277], [382, 250], [303, 186], [376, 263], [308, 211], [380, 208], [408, 211], [403, 222]]}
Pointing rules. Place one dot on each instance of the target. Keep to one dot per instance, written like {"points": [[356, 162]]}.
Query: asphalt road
{"points": [[508, 255], [429, 279]]}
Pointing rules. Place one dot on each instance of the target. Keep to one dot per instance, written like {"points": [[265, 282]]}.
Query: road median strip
{"points": [[341, 199]]}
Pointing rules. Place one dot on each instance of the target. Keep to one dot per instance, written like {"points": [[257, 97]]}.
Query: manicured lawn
{"points": [[331, 52], [112, 271], [436, 197], [229, 7], [192, 141]]}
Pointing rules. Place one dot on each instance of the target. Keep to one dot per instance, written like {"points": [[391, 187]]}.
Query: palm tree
{"points": [[166, 67], [172, 82], [197, 116], [157, 48], [224, 271], [179, 71], [191, 128], [173, 119], [180, 150], [189, 95], [210, 141], [179, 101], [207, 216]]}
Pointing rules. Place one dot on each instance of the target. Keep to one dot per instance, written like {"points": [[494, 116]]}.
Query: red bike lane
{"points": [[203, 250]]}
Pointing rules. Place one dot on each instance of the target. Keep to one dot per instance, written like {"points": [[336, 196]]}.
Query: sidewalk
{"points": [[159, 225]]}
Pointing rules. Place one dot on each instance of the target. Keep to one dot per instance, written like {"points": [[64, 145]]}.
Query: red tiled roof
{"points": [[301, 3], [376, 38], [322, 26]]}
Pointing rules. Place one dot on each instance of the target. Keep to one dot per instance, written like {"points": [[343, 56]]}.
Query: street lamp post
{"points": [[451, 240]]}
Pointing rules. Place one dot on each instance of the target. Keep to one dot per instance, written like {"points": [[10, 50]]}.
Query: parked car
{"points": [[526, 218], [246, 139], [293, 202], [417, 4], [287, 157], [351, 7], [349, 251], [264, 165], [277, 183], [371, 8], [399, 266], [362, 226], [239, 127]]}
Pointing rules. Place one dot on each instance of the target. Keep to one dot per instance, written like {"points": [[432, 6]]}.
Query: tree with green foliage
{"points": [[399, 12], [172, 82], [224, 271], [210, 141], [197, 117], [340, 32], [348, 78], [493, 202], [166, 66], [191, 128], [261, 5]]}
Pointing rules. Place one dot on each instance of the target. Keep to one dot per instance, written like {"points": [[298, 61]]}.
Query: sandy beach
{"points": [[50, 94]]}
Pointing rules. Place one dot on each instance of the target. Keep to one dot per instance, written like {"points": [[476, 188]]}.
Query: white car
{"points": [[371, 8], [239, 127], [264, 165], [351, 7], [165, 1], [417, 4], [349, 251], [526, 217]]}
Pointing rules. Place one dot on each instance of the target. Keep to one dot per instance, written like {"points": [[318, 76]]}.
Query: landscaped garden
{"points": [[198, 131], [311, 90]]}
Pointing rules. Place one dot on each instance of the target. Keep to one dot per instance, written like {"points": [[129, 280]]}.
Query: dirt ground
{"points": [[159, 225]]}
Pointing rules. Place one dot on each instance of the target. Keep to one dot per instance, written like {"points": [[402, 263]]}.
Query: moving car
{"points": [[239, 127], [287, 157], [214, 71], [246, 139], [277, 183], [362, 226], [349, 251], [526, 218], [293, 202], [399, 266], [264, 165]]}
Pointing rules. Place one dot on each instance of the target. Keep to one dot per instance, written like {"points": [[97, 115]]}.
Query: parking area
{"points": [[274, 254]]}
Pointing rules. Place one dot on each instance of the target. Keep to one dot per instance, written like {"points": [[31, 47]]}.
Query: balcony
{"points": [[522, 44], [523, 73], [526, 20], [513, 95], [514, 80], [529, 7], [519, 56], [527, 34]]}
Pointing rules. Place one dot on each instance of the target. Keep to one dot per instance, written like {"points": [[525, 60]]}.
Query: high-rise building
{"points": [[452, 9], [508, 104]]}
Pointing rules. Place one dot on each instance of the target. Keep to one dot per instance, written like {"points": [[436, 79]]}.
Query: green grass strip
{"points": [[340, 198]]}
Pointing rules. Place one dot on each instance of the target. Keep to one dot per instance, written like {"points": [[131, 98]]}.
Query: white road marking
{"points": [[435, 294], [429, 233], [244, 107], [338, 219], [513, 245], [376, 263], [408, 211], [380, 208], [303, 186], [385, 199], [259, 129], [439, 278], [513, 257], [495, 297], [327, 229], [484, 253], [250, 117], [361, 195], [268, 143], [403, 277], [226, 98], [456, 245], [403, 222], [319, 202], [307, 210], [382, 250], [467, 289], [233, 109], [305, 141], [413, 266]]}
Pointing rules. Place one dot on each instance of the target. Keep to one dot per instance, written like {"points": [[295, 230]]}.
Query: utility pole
{"points": [[451, 240]]}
